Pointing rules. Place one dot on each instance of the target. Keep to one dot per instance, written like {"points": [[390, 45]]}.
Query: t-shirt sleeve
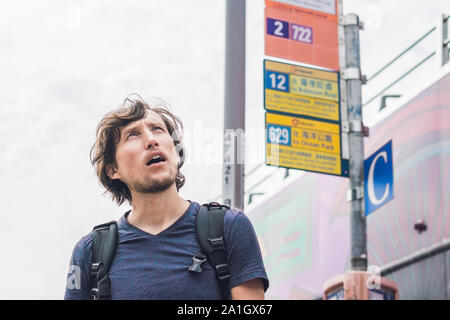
{"points": [[244, 254], [78, 285]]}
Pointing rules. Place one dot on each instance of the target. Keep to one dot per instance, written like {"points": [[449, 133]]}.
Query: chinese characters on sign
{"points": [[303, 118], [301, 91], [303, 104], [303, 144]]}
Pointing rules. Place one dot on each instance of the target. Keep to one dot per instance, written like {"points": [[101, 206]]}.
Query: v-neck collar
{"points": [[173, 226]]}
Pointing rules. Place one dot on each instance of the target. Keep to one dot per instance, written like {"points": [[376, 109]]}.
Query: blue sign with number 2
{"points": [[278, 28]]}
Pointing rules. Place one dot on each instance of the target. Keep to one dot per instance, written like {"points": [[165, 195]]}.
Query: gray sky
{"points": [[65, 64]]}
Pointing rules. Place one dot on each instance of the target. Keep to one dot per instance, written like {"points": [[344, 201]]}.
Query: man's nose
{"points": [[149, 139]]}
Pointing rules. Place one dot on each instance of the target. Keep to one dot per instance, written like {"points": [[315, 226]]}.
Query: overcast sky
{"points": [[64, 64]]}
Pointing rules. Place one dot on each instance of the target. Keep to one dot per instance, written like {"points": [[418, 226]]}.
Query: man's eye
{"points": [[155, 128], [131, 134]]}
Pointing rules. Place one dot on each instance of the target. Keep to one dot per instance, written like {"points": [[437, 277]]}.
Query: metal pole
{"points": [[445, 40], [356, 143], [234, 109], [417, 256]]}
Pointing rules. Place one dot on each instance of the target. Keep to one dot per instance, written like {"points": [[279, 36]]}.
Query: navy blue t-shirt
{"points": [[148, 266]]}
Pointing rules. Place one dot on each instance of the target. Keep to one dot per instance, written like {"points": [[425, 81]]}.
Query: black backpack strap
{"points": [[103, 249], [209, 229]]}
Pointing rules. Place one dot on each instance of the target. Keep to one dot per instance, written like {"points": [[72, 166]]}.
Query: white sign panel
{"points": [[327, 6]]}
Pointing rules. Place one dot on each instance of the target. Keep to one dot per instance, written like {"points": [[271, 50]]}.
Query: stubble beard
{"points": [[150, 185]]}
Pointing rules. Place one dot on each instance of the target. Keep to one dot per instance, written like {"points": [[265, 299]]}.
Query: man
{"points": [[137, 155]]}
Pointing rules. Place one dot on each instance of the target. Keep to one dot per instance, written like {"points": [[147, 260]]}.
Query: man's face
{"points": [[146, 157]]}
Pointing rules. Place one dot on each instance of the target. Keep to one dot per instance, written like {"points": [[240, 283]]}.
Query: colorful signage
{"points": [[301, 91], [311, 214], [303, 118], [303, 31], [378, 178], [303, 144]]}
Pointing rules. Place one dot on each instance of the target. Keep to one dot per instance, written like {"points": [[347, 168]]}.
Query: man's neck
{"points": [[155, 212]]}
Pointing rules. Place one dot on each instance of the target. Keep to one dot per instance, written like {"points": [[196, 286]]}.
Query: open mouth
{"points": [[156, 159]]}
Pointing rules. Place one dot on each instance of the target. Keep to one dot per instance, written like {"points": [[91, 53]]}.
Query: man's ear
{"points": [[112, 171]]}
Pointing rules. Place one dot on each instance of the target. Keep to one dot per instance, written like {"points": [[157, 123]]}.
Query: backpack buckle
{"points": [[216, 242], [223, 272], [213, 205], [95, 267], [197, 264], [94, 294]]}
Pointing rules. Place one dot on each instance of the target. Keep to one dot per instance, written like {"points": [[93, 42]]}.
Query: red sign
{"points": [[303, 34]]}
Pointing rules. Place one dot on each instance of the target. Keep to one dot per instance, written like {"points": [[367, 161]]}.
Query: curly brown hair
{"points": [[103, 152]]}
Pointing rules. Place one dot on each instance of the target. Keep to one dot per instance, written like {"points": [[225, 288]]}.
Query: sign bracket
{"points": [[355, 126], [351, 20], [355, 194], [353, 74]]}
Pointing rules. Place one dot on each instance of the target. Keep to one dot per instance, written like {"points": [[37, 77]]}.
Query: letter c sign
{"points": [[378, 178]]}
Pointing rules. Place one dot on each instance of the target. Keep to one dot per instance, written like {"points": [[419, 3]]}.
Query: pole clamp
{"points": [[355, 194], [353, 74], [355, 126], [351, 20]]}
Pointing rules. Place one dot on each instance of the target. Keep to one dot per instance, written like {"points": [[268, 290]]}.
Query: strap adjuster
{"points": [[94, 294], [216, 242], [95, 267], [223, 272], [215, 205]]}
